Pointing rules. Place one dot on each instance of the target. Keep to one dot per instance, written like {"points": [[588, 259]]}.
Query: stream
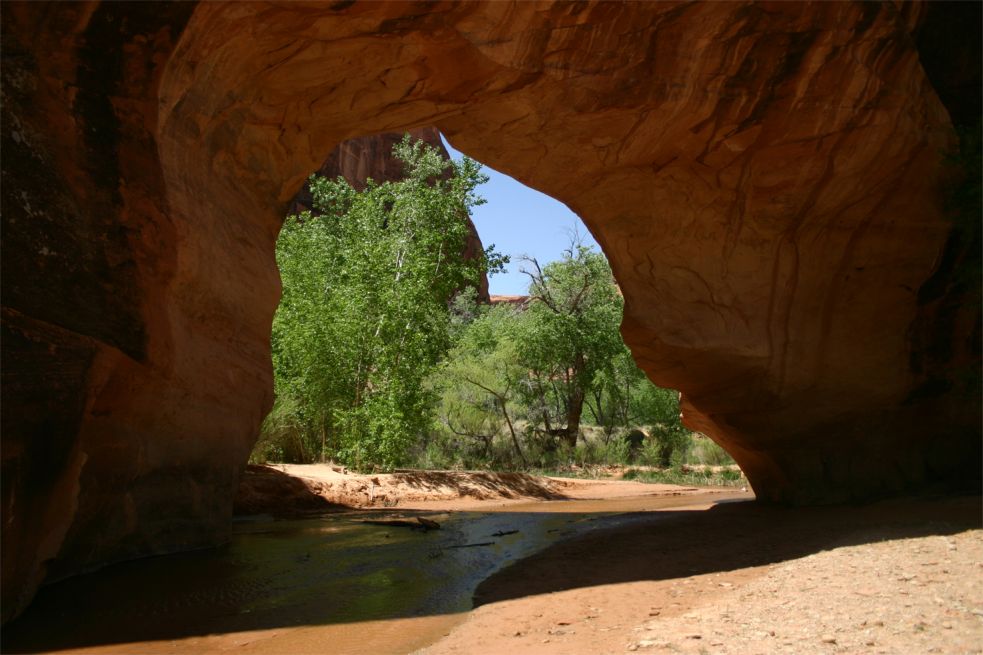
{"points": [[329, 584]]}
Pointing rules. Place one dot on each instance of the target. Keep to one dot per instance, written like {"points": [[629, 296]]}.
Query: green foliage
{"points": [[706, 451], [568, 334], [479, 380], [594, 452], [652, 405], [613, 397], [364, 317], [511, 381], [727, 477], [382, 354], [280, 438]]}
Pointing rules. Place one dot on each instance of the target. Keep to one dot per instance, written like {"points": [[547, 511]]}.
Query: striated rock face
{"points": [[366, 157], [766, 180]]}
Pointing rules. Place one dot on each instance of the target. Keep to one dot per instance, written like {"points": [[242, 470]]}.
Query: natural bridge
{"points": [[769, 182]]}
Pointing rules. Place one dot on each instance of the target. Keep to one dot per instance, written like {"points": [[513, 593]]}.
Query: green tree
{"points": [[567, 334], [658, 409], [480, 380], [511, 377], [364, 318], [614, 387]]}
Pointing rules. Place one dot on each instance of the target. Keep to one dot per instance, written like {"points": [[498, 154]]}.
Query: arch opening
{"points": [[456, 421]]}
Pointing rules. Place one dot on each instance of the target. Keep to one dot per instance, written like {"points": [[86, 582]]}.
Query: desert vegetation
{"points": [[384, 357]]}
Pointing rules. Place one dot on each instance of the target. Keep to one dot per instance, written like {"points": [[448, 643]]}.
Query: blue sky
{"points": [[521, 221]]}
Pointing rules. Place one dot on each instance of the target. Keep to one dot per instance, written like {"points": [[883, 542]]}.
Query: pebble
{"points": [[829, 639]]}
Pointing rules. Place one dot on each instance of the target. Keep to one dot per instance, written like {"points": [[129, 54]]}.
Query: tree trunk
{"points": [[665, 455], [574, 411], [515, 440], [575, 401], [323, 439]]}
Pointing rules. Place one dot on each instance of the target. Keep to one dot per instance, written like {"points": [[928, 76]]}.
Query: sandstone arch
{"points": [[765, 179]]}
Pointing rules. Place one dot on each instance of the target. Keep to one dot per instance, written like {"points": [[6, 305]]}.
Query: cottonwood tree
{"points": [[526, 375], [567, 334], [364, 319]]}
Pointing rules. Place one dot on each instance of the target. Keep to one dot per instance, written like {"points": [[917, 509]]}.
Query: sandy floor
{"points": [[894, 577], [296, 488], [903, 576]]}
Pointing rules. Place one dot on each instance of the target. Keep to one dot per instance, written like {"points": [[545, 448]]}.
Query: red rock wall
{"points": [[766, 180]]}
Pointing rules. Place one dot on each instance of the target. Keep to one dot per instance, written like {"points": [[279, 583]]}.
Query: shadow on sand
{"points": [[480, 484], [723, 538], [266, 490]]}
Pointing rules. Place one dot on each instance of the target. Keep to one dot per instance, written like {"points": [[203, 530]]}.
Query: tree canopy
{"points": [[364, 316], [382, 356], [568, 334]]}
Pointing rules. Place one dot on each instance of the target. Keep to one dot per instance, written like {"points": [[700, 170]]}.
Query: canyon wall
{"points": [[767, 179]]}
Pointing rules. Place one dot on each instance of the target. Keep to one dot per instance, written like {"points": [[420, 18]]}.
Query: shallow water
{"points": [[329, 584]]}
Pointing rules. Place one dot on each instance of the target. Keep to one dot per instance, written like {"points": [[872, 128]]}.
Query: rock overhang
{"points": [[766, 180]]}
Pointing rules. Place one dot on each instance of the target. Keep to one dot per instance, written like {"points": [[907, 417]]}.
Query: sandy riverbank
{"points": [[902, 576], [295, 489], [592, 566], [892, 577], [351, 581]]}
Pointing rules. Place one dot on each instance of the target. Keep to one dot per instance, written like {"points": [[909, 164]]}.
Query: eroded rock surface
{"points": [[766, 180]]}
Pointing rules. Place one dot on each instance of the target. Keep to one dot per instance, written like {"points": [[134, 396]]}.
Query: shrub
{"points": [[667, 445], [281, 437], [706, 451]]}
